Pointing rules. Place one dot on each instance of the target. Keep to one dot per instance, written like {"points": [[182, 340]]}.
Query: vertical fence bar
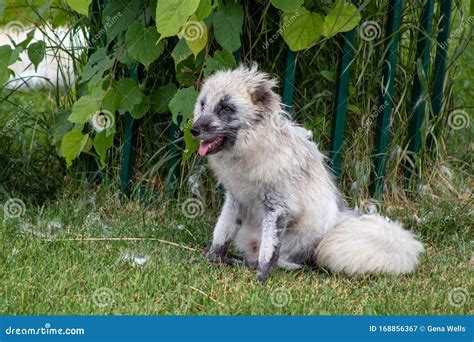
{"points": [[172, 164], [382, 131], [440, 63], [128, 149], [340, 102], [418, 101], [289, 81]]}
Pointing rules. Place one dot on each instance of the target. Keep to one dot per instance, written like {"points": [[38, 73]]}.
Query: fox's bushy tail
{"points": [[368, 244]]}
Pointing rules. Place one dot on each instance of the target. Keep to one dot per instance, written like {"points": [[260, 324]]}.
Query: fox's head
{"points": [[230, 103]]}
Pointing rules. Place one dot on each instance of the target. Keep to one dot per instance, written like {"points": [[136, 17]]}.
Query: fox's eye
{"points": [[226, 110]]}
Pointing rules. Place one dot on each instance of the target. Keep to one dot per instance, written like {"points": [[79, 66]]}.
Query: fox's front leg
{"points": [[227, 226], [273, 226]]}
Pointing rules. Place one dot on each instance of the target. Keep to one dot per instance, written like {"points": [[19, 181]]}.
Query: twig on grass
{"points": [[94, 239]]}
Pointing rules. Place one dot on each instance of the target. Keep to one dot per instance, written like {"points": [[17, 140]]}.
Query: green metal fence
{"points": [[386, 96]]}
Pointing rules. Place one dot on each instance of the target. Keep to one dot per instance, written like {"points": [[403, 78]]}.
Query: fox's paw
{"points": [[216, 256]]}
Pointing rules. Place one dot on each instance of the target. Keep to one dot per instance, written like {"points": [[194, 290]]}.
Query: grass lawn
{"points": [[46, 269]]}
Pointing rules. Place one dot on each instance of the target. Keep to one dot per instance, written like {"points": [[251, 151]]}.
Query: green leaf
{"points": [[188, 71], [172, 14], [80, 6], [72, 145], [4, 75], [83, 109], [122, 96], [98, 63], [142, 44], [287, 5], [222, 60], [204, 9], [117, 17], [161, 97], [342, 18], [102, 142], [28, 39], [195, 34], [5, 54], [228, 21], [141, 109], [36, 53], [191, 144], [3, 4], [301, 29], [329, 75], [181, 52], [182, 104]]}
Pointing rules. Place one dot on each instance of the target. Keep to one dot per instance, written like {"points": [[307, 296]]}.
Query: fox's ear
{"points": [[262, 93]]}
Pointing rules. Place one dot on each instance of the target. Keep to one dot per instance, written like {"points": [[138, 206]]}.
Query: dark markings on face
{"points": [[202, 103], [225, 109], [238, 221]]}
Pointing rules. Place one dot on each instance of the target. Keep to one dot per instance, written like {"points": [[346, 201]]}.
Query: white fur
{"points": [[368, 244], [280, 162]]}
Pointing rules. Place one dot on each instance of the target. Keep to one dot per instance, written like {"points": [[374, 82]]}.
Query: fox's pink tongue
{"points": [[204, 147]]}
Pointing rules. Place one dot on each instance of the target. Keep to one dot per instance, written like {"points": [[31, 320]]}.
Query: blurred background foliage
{"points": [[65, 132]]}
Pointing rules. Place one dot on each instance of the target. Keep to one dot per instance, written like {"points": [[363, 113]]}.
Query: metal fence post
{"points": [[129, 144], [340, 102], [289, 80], [418, 101], [382, 131], [440, 63]]}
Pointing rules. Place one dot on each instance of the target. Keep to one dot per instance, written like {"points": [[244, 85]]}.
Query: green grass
{"points": [[90, 277]]}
